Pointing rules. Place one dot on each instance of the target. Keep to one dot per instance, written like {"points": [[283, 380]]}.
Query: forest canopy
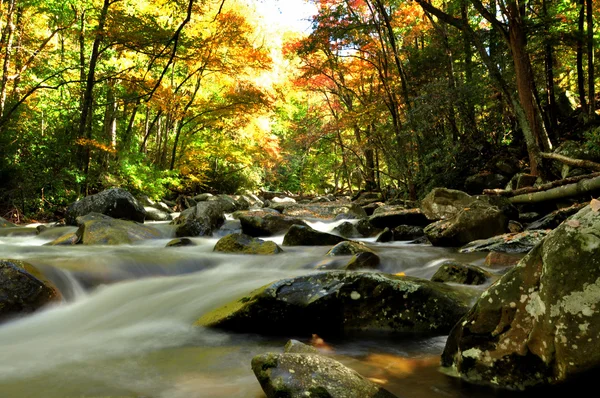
{"points": [[186, 96]]}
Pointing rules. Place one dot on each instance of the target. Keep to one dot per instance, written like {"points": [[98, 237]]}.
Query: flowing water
{"points": [[125, 327]]}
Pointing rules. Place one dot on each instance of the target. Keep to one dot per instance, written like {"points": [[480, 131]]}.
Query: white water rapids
{"points": [[126, 328]]}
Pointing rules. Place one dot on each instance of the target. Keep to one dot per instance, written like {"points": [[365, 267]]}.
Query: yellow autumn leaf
{"points": [[595, 205]]}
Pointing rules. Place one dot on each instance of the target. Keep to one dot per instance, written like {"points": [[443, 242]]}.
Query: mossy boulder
{"points": [[301, 375], [200, 220], [347, 230], [466, 274], [521, 242], [349, 248], [300, 235], [115, 202], [181, 242], [98, 229], [337, 303], [23, 289], [154, 214], [263, 223], [478, 221], [364, 260], [245, 244], [443, 203], [539, 323], [6, 224]]}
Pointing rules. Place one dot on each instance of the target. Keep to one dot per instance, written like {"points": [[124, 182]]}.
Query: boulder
{"points": [[554, 219], [539, 323], [305, 374], [364, 260], [23, 289], [180, 242], [349, 248], [408, 232], [97, 229], [478, 221], [200, 220], [371, 207], [521, 180], [399, 217], [301, 235], [153, 214], [465, 274], [475, 184], [115, 202], [338, 302], [347, 230], [325, 210], [443, 203], [6, 224], [241, 243], [501, 260], [574, 150], [520, 242], [386, 236], [366, 229], [262, 223]]}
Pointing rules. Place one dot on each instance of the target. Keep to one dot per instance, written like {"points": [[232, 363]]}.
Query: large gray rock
{"points": [[262, 223], [300, 235], [339, 302], [478, 221], [23, 289], [301, 375], [443, 203], [98, 229], [153, 214], [520, 242], [115, 202], [539, 323], [324, 210], [200, 220]]}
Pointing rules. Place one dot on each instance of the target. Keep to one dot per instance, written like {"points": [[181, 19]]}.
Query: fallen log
{"points": [[584, 164], [561, 192], [544, 187]]}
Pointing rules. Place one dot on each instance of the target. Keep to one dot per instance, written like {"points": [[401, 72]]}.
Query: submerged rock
{"points": [[347, 230], [23, 289], [539, 323], [466, 274], [364, 260], [521, 242], [300, 235], [241, 243], [180, 242], [301, 375], [339, 303], [115, 202]]}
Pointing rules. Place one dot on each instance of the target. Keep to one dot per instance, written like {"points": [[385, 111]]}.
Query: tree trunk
{"points": [[590, 56], [7, 39], [551, 115], [85, 121], [580, 73], [565, 191]]}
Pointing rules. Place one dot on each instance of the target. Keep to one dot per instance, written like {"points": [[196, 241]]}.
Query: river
{"points": [[125, 328]]}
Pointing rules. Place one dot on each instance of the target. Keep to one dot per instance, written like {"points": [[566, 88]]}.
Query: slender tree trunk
{"points": [[551, 116], [7, 40], [590, 56], [580, 73], [84, 129]]}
